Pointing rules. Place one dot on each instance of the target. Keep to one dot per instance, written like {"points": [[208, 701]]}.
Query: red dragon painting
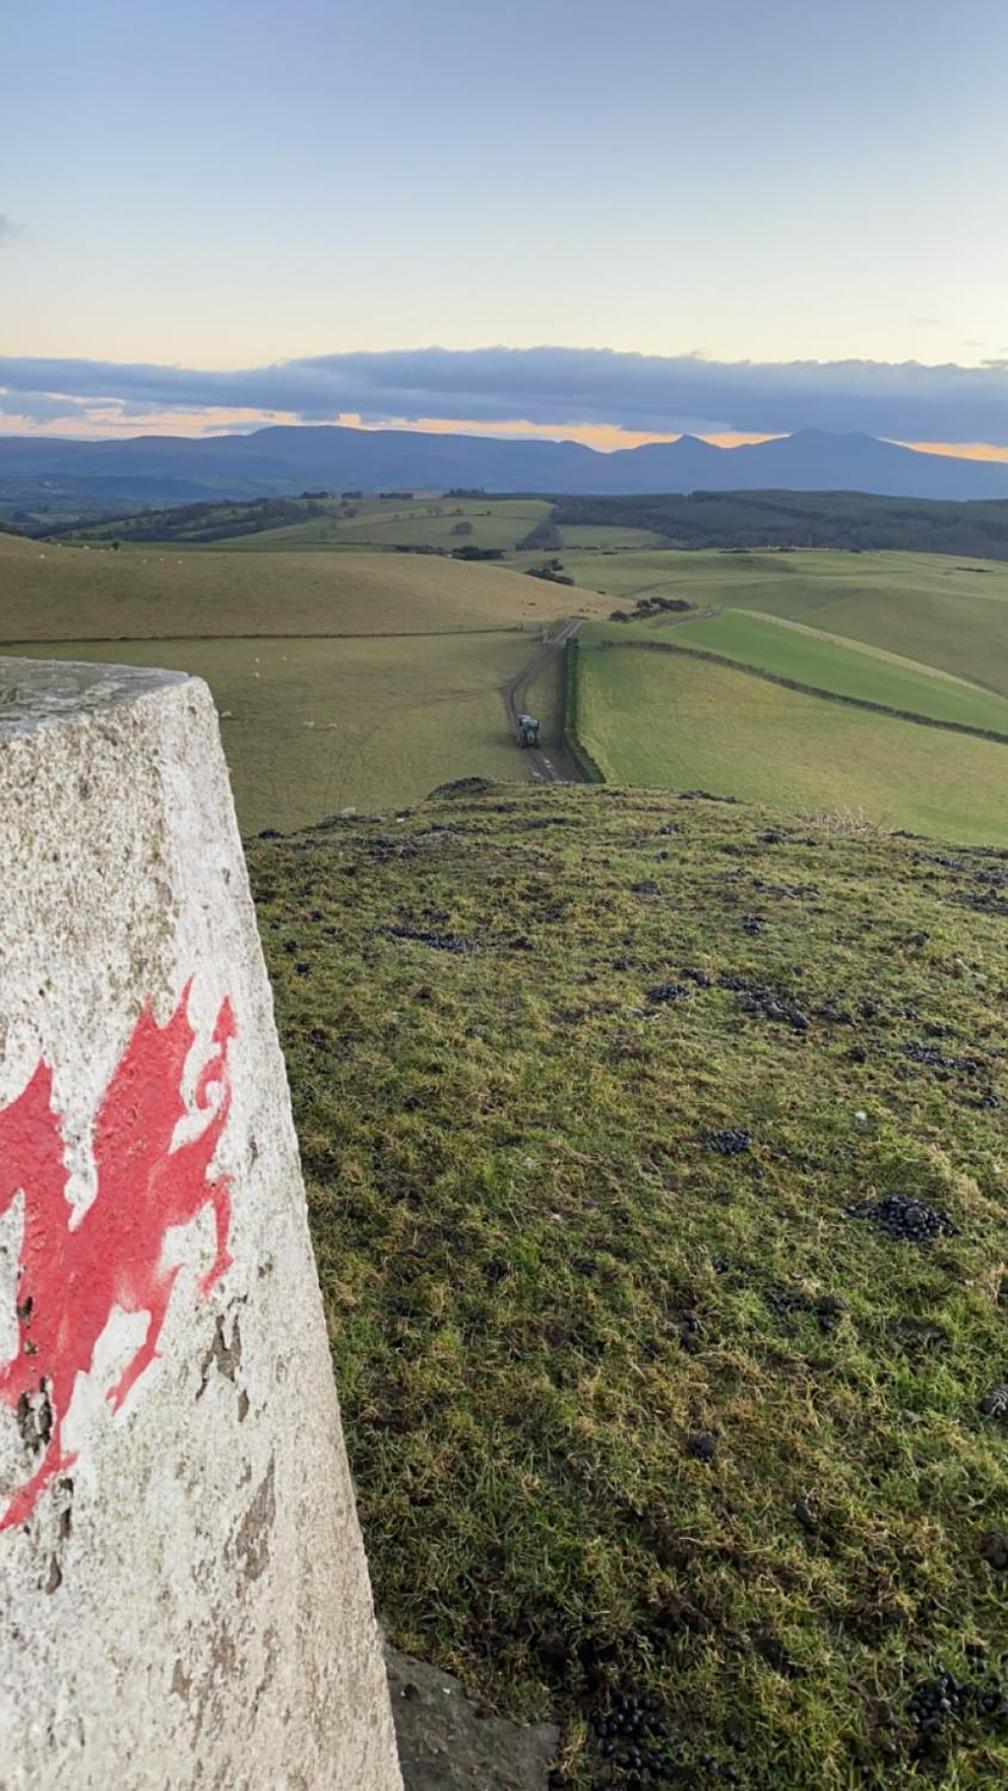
{"points": [[73, 1276]]}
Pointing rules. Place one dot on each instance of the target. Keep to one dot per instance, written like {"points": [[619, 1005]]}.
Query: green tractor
{"points": [[528, 730]]}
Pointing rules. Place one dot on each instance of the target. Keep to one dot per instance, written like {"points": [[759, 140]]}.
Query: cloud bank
{"points": [[556, 387]]}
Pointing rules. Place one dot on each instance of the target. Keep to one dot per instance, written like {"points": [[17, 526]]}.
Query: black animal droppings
{"points": [[936, 1703], [764, 1004], [437, 941], [632, 1734], [784, 1300], [904, 1219], [666, 992], [994, 1550], [930, 1056], [729, 1143]]}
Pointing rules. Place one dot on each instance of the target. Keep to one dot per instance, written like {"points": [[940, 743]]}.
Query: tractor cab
{"points": [[528, 730]]}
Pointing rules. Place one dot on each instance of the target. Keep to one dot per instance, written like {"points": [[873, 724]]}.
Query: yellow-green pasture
{"points": [[311, 726], [669, 720], [73, 593]]}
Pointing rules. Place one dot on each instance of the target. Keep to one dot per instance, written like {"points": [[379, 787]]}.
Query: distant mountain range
{"points": [[281, 462]]}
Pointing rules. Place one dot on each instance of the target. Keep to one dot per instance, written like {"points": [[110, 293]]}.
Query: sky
{"points": [[307, 194]]}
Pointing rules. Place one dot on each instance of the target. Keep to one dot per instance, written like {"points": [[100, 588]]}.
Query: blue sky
{"points": [[222, 186]]}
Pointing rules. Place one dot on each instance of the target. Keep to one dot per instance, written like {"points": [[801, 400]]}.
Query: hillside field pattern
{"points": [[350, 673]]}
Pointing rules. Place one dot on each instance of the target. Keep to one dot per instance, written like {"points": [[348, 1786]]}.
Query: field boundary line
{"points": [[391, 634], [591, 772], [865, 647], [828, 696]]}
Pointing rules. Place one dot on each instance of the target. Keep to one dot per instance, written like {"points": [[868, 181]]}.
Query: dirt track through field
{"points": [[540, 765]]}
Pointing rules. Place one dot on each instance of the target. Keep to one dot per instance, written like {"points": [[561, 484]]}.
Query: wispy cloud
{"points": [[8, 229], [554, 387]]}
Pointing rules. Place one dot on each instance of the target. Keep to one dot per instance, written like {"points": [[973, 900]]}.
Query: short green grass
{"points": [[825, 662], [78, 593], [925, 607], [607, 538], [922, 606], [541, 1285], [912, 632], [428, 522], [669, 720], [312, 726]]}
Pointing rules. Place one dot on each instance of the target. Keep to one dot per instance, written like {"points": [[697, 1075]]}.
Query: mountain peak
{"points": [[283, 459]]}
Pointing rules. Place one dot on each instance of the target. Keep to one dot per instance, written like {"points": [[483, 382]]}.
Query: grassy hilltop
{"points": [[599, 1093]]}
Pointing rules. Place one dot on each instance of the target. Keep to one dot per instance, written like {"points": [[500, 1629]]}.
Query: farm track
{"points": [[514, 691]]}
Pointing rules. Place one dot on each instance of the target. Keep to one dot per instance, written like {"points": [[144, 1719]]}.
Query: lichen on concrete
{"points": [[185, 1592]]}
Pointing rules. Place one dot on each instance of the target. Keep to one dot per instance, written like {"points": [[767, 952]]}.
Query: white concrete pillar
{"points": [[184, 1598]]}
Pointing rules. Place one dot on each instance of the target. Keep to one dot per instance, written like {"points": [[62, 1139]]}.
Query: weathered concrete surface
{"points": [[448, 1743], [183, 1593]]}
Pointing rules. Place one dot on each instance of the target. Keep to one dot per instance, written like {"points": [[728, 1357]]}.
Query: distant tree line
{"points": [[732, 521], [854, 521], [198, 523]]}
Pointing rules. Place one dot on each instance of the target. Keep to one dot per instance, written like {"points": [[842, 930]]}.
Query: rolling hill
{"points": [[342, 680], [65, 593]]}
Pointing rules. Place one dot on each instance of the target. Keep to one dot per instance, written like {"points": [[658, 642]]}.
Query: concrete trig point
{"points": [[183, 1592]]}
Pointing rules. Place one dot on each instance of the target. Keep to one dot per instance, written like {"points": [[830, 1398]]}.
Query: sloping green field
{"points": [[50, 593], [668, 720], [608, 540], [793, 651], [924, 607], [358, 679], [311, 726], [918, 605], [913, 633], [498, 522]]}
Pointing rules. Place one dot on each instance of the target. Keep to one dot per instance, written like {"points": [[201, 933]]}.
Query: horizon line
{"points": [[597, 438]]}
